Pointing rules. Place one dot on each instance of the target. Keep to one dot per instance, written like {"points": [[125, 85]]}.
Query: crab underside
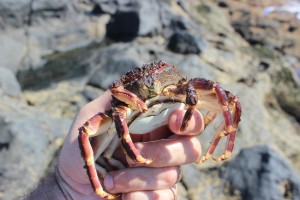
{"points": [[142, 101]]}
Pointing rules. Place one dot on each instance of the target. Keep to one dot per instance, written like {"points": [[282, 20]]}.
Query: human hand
{"points": [[144, 182]]}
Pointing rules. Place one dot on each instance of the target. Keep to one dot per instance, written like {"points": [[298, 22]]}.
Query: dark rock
{"points": [[8, 83], [222, 3], [123, 26], [185, 43], [134, 18], [261, 173]]}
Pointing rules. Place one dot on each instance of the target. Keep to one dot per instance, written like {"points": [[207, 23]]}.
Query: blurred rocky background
{"points": [[57, 55]]}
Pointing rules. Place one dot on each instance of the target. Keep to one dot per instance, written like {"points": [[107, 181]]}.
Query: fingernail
{"points": [[108, 182]]}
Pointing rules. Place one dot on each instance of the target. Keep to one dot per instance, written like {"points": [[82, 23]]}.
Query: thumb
{"points": [[195, 125]]}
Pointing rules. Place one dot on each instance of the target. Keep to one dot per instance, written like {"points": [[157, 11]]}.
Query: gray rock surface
{"points": [[59, 52], [261, 173], [28, 141], [8, 83], [34, 29]]}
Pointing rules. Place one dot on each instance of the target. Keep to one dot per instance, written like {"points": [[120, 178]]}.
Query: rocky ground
{"points": [[55, 56]]}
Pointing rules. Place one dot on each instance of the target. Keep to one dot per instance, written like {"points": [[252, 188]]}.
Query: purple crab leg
{"points": [[222, 97], [119, 117], [192, 98], [191, 101], [213, 145], [209, 117], [221, 132], [88, 154]]}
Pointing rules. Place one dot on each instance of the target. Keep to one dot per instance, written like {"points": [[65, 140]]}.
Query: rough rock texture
{"points": [[185, 43], [8, 83], [66, 53], [28, 141], [33, 29], [261, 173]]}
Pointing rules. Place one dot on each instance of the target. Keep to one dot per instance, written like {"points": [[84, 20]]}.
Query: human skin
{"points": [[167, 147]]}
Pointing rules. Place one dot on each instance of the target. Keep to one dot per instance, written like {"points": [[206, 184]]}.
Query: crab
{"points": [[142, 101]]}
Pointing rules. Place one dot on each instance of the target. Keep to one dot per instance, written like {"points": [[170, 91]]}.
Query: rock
{"points": [[193, 67], [112, 71], [91, 93], [185, 43], [50, 27], [261, 173], [101, 7], [14, 13], [8, 83], [149, 17], [62, 100], [271, 29], [142, 15], [205, 183], [25, 12], [29, 139], [13, 49], [287, 91], [119, 29]]}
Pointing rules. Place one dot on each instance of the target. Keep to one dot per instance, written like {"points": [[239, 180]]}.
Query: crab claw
{"points": [[129, 98]]}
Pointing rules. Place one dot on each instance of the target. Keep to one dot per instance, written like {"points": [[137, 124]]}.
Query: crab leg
{"points": [[119, 117], [213, 144], [209, 117], [191, 101], [221, 132], [98, 124], [230, 140], [222, 98], [90, 165], [206, 87]]}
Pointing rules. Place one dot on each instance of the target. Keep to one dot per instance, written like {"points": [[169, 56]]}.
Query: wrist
{"points": [[72, 189], [48, 188]]}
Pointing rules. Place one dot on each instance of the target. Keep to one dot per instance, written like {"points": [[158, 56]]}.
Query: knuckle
{"points": [[171, 176]]}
